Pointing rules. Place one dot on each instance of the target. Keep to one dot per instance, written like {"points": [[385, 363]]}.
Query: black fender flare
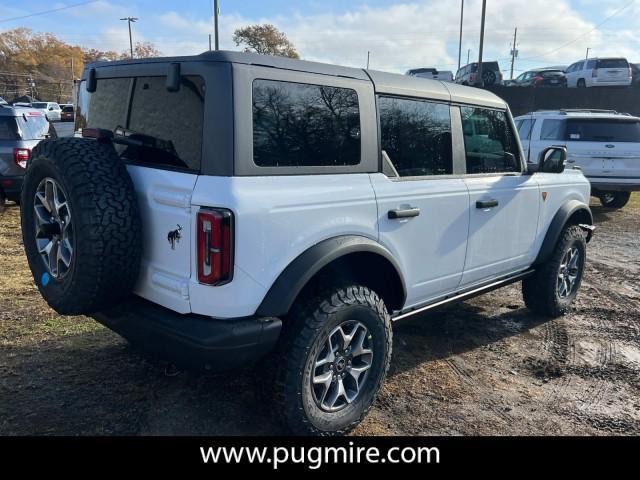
{"points": [[293, 279], [562, 216]]}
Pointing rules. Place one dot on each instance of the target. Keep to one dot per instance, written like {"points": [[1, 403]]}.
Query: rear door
{"points": [[164, 170], [423, 210], [612, 70], [607, 149]]}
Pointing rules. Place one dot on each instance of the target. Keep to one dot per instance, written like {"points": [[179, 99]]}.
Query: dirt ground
{"points": [[483, 367]]}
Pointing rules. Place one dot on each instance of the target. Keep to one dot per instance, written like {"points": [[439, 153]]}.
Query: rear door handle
{"points": [[487, 203], [403, 213]]}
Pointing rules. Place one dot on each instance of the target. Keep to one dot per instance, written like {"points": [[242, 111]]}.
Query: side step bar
{"points": [[465, 294]]}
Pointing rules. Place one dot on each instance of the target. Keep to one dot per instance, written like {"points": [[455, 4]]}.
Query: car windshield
{"points": [[39, 105], [599, 130]]}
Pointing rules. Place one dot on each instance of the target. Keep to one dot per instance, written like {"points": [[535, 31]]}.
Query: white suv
{"points": [[604, 144], [599, 72], [295, 211], [51, 110]]}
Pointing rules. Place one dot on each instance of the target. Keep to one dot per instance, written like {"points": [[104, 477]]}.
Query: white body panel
{"points": [[431, 247], [164, 199], [276, 219]]}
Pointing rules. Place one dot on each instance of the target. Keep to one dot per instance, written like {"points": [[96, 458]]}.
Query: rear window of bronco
{"points": [[168, 124]]}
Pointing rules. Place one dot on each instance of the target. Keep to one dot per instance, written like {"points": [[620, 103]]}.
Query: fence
{"points": [[523, 100]]}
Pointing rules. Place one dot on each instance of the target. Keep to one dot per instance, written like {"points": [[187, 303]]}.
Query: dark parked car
{"points": [[21, 128], [635, 73], [68, 113], [544, 77]]}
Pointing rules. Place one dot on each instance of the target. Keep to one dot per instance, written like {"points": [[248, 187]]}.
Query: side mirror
{"points": [[552, 160], [92, 81]]}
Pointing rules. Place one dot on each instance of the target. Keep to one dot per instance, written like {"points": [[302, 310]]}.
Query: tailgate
{"points": [[164, 199]]}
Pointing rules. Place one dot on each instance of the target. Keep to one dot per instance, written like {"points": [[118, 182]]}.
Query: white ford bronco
{"points": [[231, 209]]}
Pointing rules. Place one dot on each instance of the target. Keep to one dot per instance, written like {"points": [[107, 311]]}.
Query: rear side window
{"points": [[613, 63], [416, 135], [598, 130], [171, 120], [8, 128], [490, 144], [591, 64], [169, 124], [304, 125], [552, 130]]}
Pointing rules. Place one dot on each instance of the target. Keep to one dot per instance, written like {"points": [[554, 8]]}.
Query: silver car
{"points": [[21, 128]]}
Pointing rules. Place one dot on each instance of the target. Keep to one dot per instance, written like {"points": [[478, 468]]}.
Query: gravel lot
{"points": [[483, 367]]}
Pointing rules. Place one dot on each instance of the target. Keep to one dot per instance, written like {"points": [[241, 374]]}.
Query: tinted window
{"points": [[552, 130], [613, 63], [168, 123], [68, 109], [8, 128], [416, 136], [39, 105], [524, 128], [172, 119], [550, 73], [489, 142], [302, 125], [603, 130]]}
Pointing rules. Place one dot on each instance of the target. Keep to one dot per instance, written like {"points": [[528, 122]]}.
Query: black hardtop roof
{"points": [[383, 82]]}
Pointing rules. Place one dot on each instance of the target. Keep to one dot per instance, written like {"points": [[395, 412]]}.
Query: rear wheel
{"points": [[614, 199], [332, 360], [554, 286]]}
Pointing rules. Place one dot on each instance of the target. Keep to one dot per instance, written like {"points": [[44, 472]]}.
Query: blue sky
{"points": [[400, 34]]}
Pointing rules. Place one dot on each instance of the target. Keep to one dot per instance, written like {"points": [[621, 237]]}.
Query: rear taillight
{"points": [[501, 76], [215, 246], [21, 156], [630, 73]]}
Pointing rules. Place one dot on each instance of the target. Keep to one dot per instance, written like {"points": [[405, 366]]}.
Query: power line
{"points": [[44, 12], [583, 35]]}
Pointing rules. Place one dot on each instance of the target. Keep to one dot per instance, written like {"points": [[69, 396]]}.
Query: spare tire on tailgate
{"points": [[80, 225]]}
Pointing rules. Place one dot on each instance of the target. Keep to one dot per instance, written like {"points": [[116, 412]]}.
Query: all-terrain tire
{"points": [[3, 200], [614, 199], [305, 330], [540, 291], [106, 241]]}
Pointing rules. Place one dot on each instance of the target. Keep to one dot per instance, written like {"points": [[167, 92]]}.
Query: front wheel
{"points": [[554, 286], [614, 199], [332, 360]]}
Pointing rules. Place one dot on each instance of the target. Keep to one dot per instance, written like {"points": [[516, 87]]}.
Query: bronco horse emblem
{"points": [[174, 237]]}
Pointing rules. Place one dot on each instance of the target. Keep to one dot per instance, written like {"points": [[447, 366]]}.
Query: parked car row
{"points": [[590, 72]]}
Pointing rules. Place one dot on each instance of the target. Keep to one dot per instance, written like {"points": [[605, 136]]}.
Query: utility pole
{"points": [[514, 51], [215, 23], [587, 56], [129, 21], [209, 42], [460, 42], [479, 80], [468, 56], [368, 57]]}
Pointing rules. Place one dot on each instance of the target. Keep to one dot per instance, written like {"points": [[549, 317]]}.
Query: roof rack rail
{"points": [[588, 110]]}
